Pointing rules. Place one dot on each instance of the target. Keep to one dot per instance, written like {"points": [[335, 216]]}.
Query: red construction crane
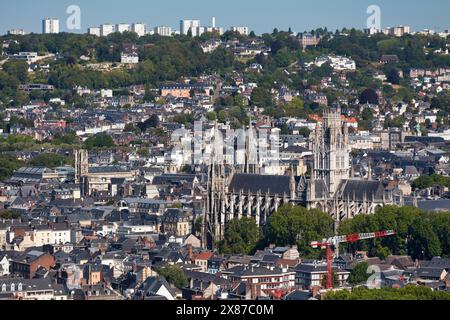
{"points": [[331, 243]]}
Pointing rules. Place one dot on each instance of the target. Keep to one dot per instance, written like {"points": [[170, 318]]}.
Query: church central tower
{"points": [[331, 151]]}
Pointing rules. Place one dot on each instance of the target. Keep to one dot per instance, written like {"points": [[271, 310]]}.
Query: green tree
{"points": [[198, 226], [174, 275], [100, 140], [9, 215], [383, 252], [151, 122], [393, 76], [304, 131], [367, 114], [261, 97], [359, 274], [241, 237], [69, 139], [368, 96], [296, 225], [222, 116], [48, 160], [386, 218], [18, 69], [424, 243], [440, 222], [8, 165], [426, 181], [212, 116], [409, 292]]}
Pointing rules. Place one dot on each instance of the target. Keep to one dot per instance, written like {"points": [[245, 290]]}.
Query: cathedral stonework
{"points": [[330, 187]]}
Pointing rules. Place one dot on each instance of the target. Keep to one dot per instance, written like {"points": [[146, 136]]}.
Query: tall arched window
{"points": [[3, 287]]}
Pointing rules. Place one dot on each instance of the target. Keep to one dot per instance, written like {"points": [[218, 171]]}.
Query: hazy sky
{"points": [[260, 15]]}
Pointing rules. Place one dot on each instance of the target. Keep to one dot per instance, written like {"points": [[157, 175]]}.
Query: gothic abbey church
{"points": [[330, 187]]}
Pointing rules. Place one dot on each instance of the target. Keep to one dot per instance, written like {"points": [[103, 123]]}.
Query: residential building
{"points": [[50, 26], [263, 281], [191, 26], [308, 40], [177, 222], [107, 29], [241, 30], [309, 276], [201, 260], [163, 31], [95, 31], [122, 27], [28, 263], [32, 289], [17, 32], [139, 28], [129, 58]]}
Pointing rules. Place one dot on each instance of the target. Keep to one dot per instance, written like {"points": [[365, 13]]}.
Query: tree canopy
{"points": [[100, 140], [293, 225], [423, 235], [174, 275], [407, 293], [241, 236]]}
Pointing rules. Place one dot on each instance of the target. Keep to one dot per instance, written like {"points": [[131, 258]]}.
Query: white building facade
{"points": [[50, 26]]}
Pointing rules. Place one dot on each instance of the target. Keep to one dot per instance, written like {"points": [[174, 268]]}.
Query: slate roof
{"points": [[27, 284], [308, 268], [298, 295], [152, 285], [263, 183], [176, 178], [438, 262], [357, 189], [429, 272], [202, 277], [107, 169], [241, 271], [321, 189]]}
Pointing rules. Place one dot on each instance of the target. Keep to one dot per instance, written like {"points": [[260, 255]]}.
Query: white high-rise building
{"points": [[371, 31], [163, 31], [241, 30], [17, 32], [139, 28], [122, 27], [106, 29], [50, 26], [190, 25], [94, 31]]}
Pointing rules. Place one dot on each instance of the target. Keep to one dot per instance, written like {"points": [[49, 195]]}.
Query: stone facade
{"points": [[329, 188]]}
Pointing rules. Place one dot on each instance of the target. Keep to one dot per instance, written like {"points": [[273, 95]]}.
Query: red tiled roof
{"points": [[203, 256]]}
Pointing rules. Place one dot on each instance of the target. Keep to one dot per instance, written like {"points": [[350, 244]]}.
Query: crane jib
{"points": [[352, 238]]}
